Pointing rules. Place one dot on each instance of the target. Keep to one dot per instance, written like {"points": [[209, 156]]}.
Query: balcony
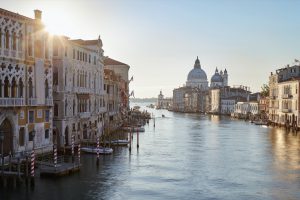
{"points": [[85, 115], [82, 90], [49, 101], [287, 96], [12, 102], [286, 110], [32, 102]]}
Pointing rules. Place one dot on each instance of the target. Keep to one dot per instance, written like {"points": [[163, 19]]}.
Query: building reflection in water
{"points": [[285, 151]]}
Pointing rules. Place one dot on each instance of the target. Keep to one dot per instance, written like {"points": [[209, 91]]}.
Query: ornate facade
{"points": [[78, 79], [25, 83]]}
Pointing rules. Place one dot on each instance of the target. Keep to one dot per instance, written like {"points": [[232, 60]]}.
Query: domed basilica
{"points": [[197, 78]]}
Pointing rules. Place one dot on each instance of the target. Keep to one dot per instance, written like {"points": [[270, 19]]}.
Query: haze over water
{"points": [[187, 156]]}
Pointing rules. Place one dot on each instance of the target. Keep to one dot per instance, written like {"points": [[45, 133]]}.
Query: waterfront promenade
{"points": [[186, 156]]}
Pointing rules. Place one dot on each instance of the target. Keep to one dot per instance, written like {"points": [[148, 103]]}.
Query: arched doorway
{"points": [[8, 136], [67, 136]]}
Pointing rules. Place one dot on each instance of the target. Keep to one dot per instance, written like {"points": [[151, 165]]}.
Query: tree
{"points": [[265, 90]]}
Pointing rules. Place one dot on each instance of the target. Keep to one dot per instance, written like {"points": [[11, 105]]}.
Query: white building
{"points": [[79, 101]]}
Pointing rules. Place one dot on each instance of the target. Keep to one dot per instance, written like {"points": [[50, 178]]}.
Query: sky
{"points": [[160, 39]]}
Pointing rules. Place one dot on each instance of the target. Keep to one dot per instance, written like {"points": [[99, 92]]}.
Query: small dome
{"points": [[217, 77]]}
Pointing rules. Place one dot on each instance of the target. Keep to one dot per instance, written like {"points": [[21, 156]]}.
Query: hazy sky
{"points": [[160, 39]]}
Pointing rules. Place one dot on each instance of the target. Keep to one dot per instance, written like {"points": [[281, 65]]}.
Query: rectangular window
{"points": [[55, 50], [89, 58], [74, 53], [47, 115], [94, 60], [66, 51], [31, 116], [47, 134], [22, 136], [31, 136], [77, 55]]}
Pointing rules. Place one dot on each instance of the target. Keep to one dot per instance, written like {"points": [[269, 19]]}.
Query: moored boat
{"points": [[120, 142], [102, 150]]}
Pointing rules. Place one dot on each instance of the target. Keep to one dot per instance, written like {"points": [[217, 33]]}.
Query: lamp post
{"points": [[2, 156]]}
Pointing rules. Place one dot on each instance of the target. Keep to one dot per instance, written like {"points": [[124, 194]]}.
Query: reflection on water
{"points": [[186, 156]]}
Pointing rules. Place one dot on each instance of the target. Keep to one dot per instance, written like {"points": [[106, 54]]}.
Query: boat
{"points": [[134, 129], [120, 142], [163, 115], [102, 150]]}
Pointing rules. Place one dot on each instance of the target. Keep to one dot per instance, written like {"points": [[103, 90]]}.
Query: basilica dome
{"points": [[197, 77], [216, 78], [197, 73]]}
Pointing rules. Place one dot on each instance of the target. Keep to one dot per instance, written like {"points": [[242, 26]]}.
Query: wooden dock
{"points": [[47, 170]]}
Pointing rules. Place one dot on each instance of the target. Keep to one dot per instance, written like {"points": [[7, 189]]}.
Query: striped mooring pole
{"points": [[32, 161], [98, 152], [137, 137], [130, 139], [54, 155], [73, 138], [79, 154]]}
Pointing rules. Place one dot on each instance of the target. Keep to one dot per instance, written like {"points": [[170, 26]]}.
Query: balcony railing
{"points": [[49, 101], [287, 96], [286, 110], [12, 102], [85, 114], [32, 102]]}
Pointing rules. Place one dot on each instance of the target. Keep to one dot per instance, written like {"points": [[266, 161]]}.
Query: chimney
{"points": [[38, 14]]}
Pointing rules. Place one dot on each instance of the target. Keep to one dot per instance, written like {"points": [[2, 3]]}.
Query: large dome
{"points": [[197, 73]]}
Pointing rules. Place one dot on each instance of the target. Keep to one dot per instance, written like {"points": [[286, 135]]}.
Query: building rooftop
{"points": [[110, 61]]}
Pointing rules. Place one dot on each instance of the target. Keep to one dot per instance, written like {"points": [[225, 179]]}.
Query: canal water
{"points": [[185, 156]]}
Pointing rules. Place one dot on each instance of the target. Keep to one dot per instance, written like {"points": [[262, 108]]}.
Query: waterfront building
{"points": [[223, 99], [111, 87], [162, 102], [79, 102], [122, 70], [249, 108], [284, 95], [25, 83], [117, 92]]}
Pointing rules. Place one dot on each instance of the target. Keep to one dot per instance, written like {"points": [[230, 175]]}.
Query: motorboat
{"points": [[120, 142], [102, 150], [134, 129]]}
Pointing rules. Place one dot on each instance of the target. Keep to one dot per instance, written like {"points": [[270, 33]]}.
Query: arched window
{"points": [[30, 88], [20, 43], [66, 106], [66, 77], [78, 78], [74, 107], [55, 110], [1, 88], [6, 87], [6, 39], [46, 89], [21, 85], [73, 79], [0, 38], [14, 41], [13, 88]]}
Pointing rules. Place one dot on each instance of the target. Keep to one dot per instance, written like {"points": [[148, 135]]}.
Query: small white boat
{"points": [[102, 150], [120, 142], [134, 129]]}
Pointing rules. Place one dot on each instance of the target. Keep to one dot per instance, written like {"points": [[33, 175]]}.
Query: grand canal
{"points": [[186, 156]]}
